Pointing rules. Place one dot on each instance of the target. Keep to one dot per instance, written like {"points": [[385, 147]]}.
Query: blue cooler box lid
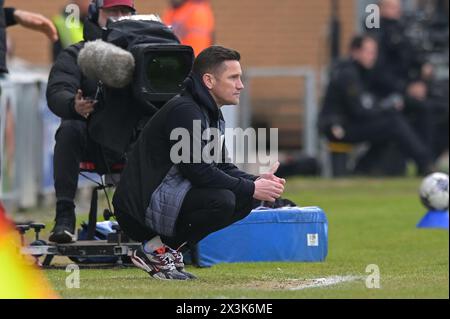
{"points": [[287, 234]]}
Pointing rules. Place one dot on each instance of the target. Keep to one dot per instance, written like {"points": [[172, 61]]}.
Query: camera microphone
{"points": [[108, 63]]}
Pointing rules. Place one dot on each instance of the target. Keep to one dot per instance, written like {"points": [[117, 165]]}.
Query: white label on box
{"points": [[313, 240]]}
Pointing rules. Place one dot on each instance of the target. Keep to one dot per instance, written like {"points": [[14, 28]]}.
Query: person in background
{"points": [[353, 113], [30, 20], [69, 33], [193, 22], [34, 21], [404, 70], [400, 67]]}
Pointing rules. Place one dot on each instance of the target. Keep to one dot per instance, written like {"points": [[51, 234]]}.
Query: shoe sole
{"points": [[138, 262], [63, 238], [188, 275]]}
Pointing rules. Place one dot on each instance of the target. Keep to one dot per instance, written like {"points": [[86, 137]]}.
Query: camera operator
{"points": [[71, 96], [352, 113]]}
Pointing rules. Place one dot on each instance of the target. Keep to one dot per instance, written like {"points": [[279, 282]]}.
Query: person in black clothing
{"points": [[402, 69], [168, 204], [400, 66], [352, 113], [71, 96]]}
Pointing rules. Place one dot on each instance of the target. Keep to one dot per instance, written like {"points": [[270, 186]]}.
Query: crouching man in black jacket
{"points": [[165, 203]]}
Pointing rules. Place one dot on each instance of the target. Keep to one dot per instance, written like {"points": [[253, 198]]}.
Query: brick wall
{"points": [[266, 32]]}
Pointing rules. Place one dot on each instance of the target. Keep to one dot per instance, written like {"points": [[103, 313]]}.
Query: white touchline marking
{"points": [[325, 282]]}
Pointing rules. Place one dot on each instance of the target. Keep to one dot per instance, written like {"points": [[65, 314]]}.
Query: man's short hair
{"points": [[210, 60], [358, 41]]}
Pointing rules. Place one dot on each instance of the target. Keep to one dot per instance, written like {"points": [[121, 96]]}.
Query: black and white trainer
{"points": [[159, 265], [179, 263]]}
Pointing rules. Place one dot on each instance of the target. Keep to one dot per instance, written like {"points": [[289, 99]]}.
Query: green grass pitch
{"points": [[371, 221]]}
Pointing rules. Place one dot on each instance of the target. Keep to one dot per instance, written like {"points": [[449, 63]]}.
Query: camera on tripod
{"points": [[153, 67], [140, 65]]}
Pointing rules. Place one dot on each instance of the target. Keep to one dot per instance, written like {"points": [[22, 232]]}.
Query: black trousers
{"points": [[420, 115], [72, 147], [203, 212], [392, 127]]}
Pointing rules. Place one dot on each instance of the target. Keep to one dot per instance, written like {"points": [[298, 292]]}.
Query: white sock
{"points": [[152, 245]]}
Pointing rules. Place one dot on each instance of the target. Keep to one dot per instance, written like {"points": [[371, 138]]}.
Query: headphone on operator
{"points": [[94, 10]]}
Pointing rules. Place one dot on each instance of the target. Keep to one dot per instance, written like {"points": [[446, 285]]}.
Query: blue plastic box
{"points": [[269, 235]]}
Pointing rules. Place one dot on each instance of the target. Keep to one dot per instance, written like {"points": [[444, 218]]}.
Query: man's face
{"points": [[225, 85], [391, 9], [367, 55], [113, 12]]}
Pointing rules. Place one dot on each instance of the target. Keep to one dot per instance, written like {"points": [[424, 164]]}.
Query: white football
{"points": [[434, 192]]}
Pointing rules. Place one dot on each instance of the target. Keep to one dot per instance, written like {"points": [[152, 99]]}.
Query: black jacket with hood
{"points": [[66, 78], [149, 162]]}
